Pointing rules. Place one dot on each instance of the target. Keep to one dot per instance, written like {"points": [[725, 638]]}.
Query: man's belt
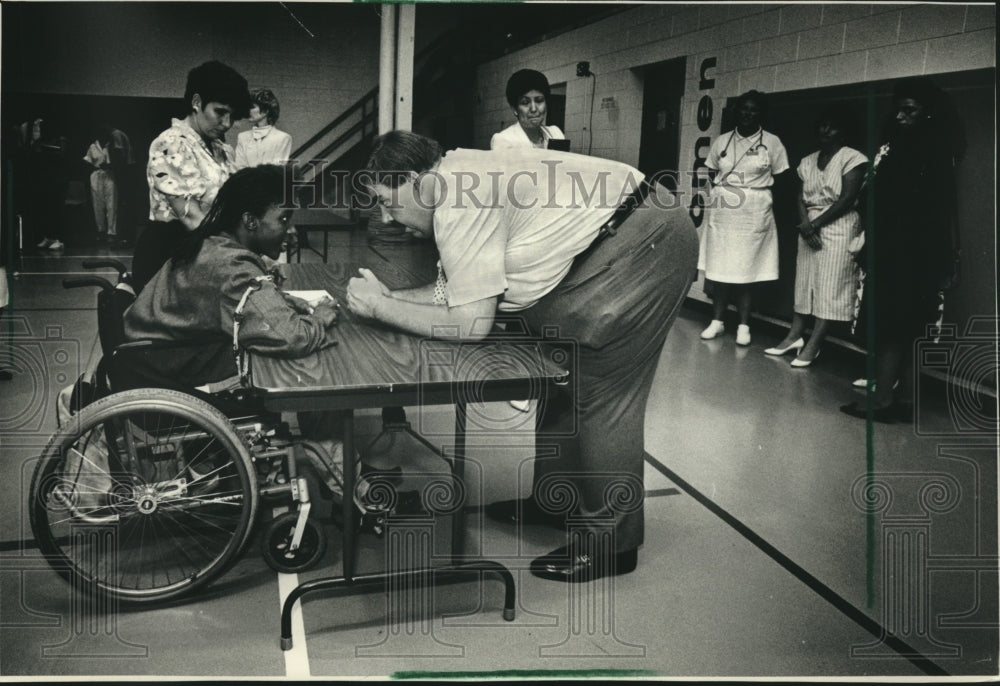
{"points": [[628, 206], [610, 227]]}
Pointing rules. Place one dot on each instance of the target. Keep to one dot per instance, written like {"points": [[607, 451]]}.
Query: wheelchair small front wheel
{"points": [[276, 544]]}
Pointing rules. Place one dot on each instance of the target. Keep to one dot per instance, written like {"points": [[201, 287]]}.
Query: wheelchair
{"points": [[150, 489]]}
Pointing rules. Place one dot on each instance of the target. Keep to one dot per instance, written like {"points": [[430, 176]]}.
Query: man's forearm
{"points": [[467, 322], [424, 295]]}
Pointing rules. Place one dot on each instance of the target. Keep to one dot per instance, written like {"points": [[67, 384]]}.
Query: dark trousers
{"points": [[617, 305]]}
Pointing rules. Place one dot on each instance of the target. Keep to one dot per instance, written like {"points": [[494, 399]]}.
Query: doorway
{"points": [[659, 145]]}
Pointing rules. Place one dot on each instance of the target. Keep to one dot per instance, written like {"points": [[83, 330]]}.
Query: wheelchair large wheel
{"points": [[144, 495]]}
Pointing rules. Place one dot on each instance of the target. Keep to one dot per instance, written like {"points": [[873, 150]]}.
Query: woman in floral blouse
{"points": [[189, 162]]}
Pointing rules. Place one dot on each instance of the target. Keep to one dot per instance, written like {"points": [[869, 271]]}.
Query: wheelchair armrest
{"points": [[82, 281], [171, 364], [102, 263], [184, 366], [153, 345]]}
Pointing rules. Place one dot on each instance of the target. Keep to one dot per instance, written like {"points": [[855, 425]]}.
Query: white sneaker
{"points": [[743, 335], [716, 328], [44, 243], [520, 405], [56, 245]]}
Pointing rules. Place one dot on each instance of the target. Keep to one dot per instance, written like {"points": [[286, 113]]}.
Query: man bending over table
{"points": [[562, 240]]}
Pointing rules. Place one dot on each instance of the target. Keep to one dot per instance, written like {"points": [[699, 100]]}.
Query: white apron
{"points": [[740, 240]]}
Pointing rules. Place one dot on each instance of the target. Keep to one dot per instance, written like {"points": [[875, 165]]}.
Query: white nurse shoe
{"points": [[715, 329]]}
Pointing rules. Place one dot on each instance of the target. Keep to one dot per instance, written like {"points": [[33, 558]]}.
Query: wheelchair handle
{"points": [[105, 262], [82, 281]]}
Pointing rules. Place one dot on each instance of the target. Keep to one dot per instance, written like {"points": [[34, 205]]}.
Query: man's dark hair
{"points": [[218, 82], [252, 190], [397, 153], [526, 80], [268, 104]]}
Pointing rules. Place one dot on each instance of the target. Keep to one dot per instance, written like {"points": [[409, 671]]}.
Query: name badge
{"points": [[752, 152]]}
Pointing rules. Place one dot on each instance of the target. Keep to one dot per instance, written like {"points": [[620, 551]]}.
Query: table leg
{"points": [[458, 473], [451, 573], [349, 512]]}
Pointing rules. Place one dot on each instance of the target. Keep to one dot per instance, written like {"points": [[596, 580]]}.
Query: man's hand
{"points": [[367, 275], [363, 295]]}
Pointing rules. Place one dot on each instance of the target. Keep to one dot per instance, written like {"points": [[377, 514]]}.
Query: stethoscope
{"points": [[755, 148]]}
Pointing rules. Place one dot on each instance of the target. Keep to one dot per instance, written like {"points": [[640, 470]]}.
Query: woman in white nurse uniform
{"points": [[739, 246]]}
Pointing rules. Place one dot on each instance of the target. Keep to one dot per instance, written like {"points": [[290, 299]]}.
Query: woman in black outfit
{"points": [[912, 235]]}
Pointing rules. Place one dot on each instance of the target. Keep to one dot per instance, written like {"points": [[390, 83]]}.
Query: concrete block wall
{"points": [[314, 80], [771, 48], [731, 49]]}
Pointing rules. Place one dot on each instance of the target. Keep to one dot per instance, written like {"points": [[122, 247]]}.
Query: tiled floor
{"points": [[761, 557]]}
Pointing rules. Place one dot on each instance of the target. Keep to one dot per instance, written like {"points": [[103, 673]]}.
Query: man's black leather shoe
{"points": [[575, 564], [524, 511]]}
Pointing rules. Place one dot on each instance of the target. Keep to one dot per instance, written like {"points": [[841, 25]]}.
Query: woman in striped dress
{"points": [[825, 279]]}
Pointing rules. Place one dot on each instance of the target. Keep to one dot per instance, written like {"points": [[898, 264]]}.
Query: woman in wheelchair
{"points": [[164, 481], [216, 276]]}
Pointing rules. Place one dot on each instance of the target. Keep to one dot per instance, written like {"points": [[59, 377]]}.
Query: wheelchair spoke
{"points": [[148, 494]]}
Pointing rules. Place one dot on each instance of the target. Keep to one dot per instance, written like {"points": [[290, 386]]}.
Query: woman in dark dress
{"points": [[912, 234]]}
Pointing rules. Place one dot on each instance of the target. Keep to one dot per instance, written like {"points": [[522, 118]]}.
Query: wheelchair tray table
{"points": [[374, 366]]}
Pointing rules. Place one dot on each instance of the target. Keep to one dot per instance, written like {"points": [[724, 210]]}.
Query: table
{"points": [[374, 366], [305, 229]]}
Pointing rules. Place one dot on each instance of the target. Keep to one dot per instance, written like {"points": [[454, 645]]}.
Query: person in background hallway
{"points": [[264, 143], [912, 239], [527, 92], [189, 162], [109, 154], [825, 272], [608, 272], [739, 246], [46, 184]]}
